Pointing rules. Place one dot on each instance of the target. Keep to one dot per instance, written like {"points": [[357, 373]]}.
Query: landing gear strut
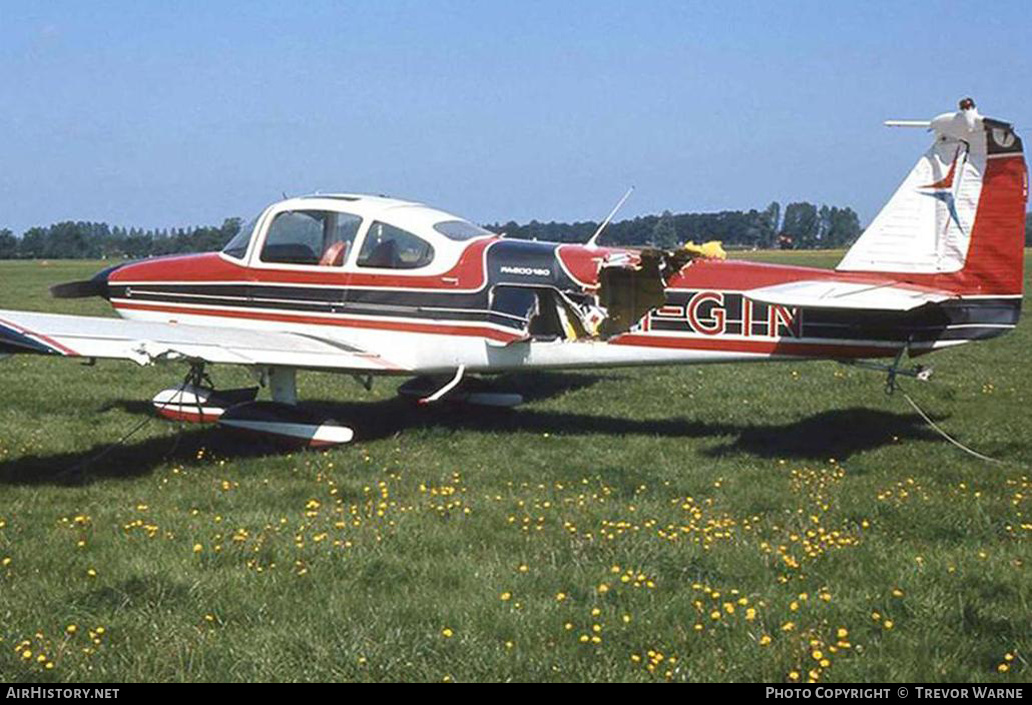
{"points": [[283, 385], [892, 371]]}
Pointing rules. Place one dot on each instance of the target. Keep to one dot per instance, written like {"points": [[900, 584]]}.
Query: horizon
{"points": [[589, 221], [170, 117]]}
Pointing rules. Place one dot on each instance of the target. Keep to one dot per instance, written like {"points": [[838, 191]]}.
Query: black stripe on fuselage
{"points": [[960, 319], [430, 305]]}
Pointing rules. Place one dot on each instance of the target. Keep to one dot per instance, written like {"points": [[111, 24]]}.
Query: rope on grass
{"points": [[945, 435], [85, 464]]}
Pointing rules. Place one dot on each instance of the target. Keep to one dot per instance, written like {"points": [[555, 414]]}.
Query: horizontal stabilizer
{"points": [[847, 295]]}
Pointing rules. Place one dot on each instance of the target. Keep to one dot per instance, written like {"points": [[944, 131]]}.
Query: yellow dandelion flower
{"points": [[506, 596], [817, 655], [603, 589], [447, 633], [71, 629], [560, 596], [1003, 668], [842, 633], [793, 676], [788, 626], [765, 640], [888, 624]]}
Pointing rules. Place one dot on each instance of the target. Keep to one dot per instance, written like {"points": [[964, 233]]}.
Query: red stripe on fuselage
{"points": [[468, 273], [582, 263], [431, 328]]}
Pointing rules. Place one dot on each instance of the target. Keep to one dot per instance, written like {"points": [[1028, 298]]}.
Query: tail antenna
{"points": [[594, 238]]}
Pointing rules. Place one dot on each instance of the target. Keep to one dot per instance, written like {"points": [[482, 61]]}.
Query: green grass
{"points": [[800, 491]]}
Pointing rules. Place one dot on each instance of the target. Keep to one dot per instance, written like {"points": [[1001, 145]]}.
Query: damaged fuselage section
{"points": [[576, 292]]}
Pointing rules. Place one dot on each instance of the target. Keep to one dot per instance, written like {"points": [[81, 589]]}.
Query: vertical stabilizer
{"points": [[959, 216]]}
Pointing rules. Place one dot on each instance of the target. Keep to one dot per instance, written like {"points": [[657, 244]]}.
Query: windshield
{"points": [[237, 247]]}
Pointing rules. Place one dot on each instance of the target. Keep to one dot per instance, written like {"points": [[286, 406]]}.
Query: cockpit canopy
{"points": [[365, 232]]}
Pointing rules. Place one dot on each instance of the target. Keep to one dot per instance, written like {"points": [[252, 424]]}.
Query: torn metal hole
{"points": [[630, 284]]}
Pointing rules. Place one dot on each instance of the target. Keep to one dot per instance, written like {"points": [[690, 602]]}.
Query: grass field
{"points": [[773, 522]]}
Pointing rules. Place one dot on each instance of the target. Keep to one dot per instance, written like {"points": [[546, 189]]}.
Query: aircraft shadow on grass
{"points": [[836, 433]]}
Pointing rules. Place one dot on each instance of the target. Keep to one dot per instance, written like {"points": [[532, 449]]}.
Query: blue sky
{"points": [[176, 113]]}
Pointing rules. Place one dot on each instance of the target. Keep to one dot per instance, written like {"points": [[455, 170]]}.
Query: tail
{"points": [[958, 220]]}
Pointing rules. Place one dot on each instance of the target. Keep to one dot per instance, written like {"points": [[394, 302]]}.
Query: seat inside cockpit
{"points": [[311, 237]]}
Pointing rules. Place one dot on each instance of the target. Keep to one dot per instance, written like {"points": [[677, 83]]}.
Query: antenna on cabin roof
{"points": [[594, 238]]}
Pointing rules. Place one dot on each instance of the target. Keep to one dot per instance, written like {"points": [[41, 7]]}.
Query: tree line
{"points": [[84, 240], [801, 225]]}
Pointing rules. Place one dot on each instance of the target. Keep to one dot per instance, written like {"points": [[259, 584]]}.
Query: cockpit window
{"points": [[237, 247], [389, 247], [460, 230], [320, 238]]}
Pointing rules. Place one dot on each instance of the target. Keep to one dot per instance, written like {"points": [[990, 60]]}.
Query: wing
{"points": [[848, 295], [146, 343]]}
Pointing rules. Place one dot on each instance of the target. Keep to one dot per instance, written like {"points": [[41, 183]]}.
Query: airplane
{"points": [[370, 286]]}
